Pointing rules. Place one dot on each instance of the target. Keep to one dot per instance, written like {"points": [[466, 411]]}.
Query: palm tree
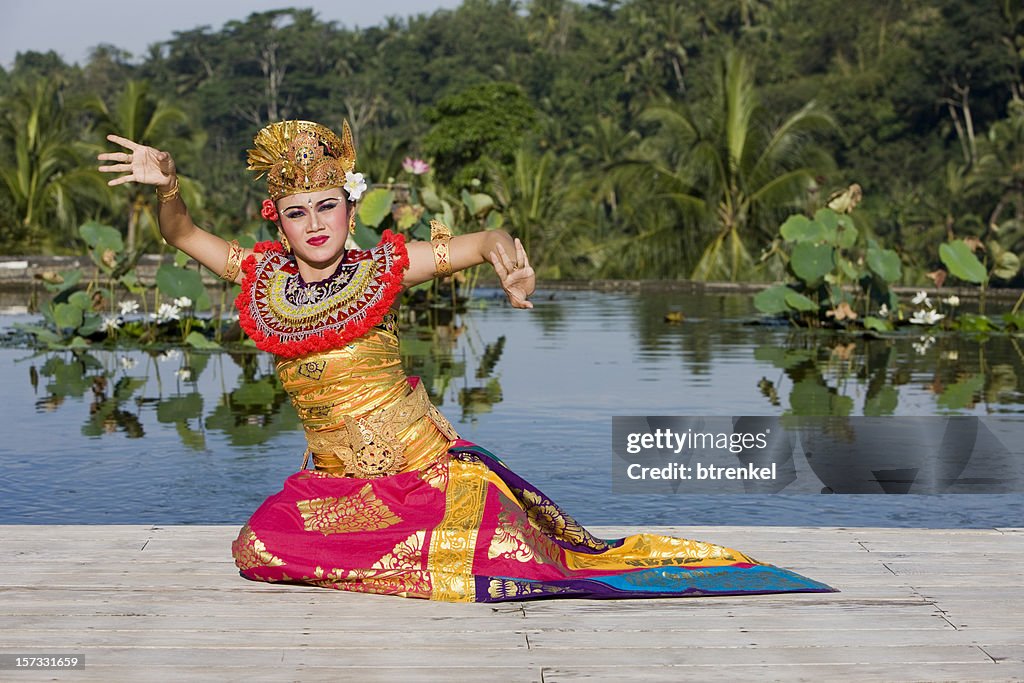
{"points": [[139, 116], [535, 196], [604, 145], [1000, 170], [729, 170], [44, 185]]}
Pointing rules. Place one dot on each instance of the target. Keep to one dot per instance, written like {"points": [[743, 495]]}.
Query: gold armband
{"points": [[164, 197], [439, 236], [234, 263]]}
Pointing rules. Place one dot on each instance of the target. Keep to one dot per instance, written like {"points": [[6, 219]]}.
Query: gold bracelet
{"points": [[234, 263], [439, 236], [164, 197]]}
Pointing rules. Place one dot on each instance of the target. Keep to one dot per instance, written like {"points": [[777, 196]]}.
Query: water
{"points": [[141, 438]]}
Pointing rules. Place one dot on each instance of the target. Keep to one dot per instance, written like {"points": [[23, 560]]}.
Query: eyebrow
{"points": [[303, 206]]}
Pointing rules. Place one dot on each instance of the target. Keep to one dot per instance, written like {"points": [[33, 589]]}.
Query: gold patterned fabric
{"points": [[398, 504], [355, 397]]}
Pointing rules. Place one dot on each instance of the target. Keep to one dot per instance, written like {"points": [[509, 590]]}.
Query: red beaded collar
{"points": [[290, 318]]}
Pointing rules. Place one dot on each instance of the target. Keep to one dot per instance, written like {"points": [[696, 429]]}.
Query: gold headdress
{"points": [[302, 156]]}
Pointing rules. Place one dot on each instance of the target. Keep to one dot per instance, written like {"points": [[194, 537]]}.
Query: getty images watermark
{"points": [[792, 454], [661, 440]]}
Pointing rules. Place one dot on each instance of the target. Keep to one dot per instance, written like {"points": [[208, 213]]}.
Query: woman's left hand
{"points": [[516, 275]]}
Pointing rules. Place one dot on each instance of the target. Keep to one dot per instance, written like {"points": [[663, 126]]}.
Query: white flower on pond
{"points": [[952, 300], [129, 307], [111, 323], [166, 313], [926, 317], [952, 354], [921, 298], [183, 302], [184, 374], [169, 354], [127, 363], [883, 311]]}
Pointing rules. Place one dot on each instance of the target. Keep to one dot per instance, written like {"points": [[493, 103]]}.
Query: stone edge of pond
{"points": [[20, 273]]}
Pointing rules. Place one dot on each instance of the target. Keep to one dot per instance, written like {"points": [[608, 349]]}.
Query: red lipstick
{"points": [[317, 241]]}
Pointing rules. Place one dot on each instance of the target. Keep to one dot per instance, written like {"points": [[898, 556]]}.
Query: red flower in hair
{"points": [[269, 210]]}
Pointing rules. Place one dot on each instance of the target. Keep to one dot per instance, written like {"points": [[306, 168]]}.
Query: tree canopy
{"points": [[624, 136]]}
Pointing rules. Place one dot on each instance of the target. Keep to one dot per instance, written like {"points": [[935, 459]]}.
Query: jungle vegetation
{"points": [[621, 138]]}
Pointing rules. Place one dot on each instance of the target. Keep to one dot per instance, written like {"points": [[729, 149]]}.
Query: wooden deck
{"points": [[167, 604]]}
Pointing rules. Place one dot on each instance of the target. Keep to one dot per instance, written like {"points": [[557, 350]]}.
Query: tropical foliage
{"points": [[620, 138]]}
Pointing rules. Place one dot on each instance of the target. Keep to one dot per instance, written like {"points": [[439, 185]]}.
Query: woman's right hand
{"points": [[142, 164]]}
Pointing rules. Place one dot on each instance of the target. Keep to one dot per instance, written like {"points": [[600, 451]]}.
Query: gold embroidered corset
{"points": [[362, 416]]}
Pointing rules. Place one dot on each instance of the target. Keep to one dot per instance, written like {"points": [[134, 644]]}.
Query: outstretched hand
{"points": [[516, 275], [142, 164]]}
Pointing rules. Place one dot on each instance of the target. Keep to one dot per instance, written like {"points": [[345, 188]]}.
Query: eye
{"points": [[295, 214], [327, 206]]}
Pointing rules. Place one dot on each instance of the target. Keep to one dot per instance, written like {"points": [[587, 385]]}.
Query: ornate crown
{"points": [[301, 156]]}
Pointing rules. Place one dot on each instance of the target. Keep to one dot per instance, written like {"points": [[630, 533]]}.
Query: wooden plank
{"points": [[168, 601], [142, 672], [455, 658], [298, 620], [752, 636], [862, 673]]}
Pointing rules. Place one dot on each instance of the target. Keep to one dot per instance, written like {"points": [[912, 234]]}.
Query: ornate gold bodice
{"points": [[362, 416]]}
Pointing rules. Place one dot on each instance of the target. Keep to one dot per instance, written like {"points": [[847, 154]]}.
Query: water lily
{"points": [[952, 300], [883, 312], [129, 307], [166, 313], [183, 302], [355, 185], [928, 317], [921, 298], [111, 323], [127, 363], [169, 354], [415, 166], [184, 374]]}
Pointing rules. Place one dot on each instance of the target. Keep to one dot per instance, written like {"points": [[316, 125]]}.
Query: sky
{"points": [[73, 27]]}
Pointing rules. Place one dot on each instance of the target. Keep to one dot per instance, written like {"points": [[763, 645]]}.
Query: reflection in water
{"points": [[827, 375], [256, 409], [538, 388]]}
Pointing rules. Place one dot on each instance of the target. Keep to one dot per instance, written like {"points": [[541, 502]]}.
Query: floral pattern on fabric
{"points": [[250, 552], [361, 512]]}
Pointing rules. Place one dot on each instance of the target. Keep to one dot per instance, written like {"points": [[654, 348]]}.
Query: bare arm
{"points": [[150, 166], [508, 257]]}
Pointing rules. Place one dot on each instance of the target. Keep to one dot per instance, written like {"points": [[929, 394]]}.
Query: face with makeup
{"points": [[316, 225]]}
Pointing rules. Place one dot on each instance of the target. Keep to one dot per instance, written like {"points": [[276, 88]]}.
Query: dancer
{"points": [[395, 501]]}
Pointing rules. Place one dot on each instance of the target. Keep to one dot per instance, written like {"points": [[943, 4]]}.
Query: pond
{"points": [[179, 437]]}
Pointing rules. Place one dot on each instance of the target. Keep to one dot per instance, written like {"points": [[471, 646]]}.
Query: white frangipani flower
{"points": [[355, 185]]}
